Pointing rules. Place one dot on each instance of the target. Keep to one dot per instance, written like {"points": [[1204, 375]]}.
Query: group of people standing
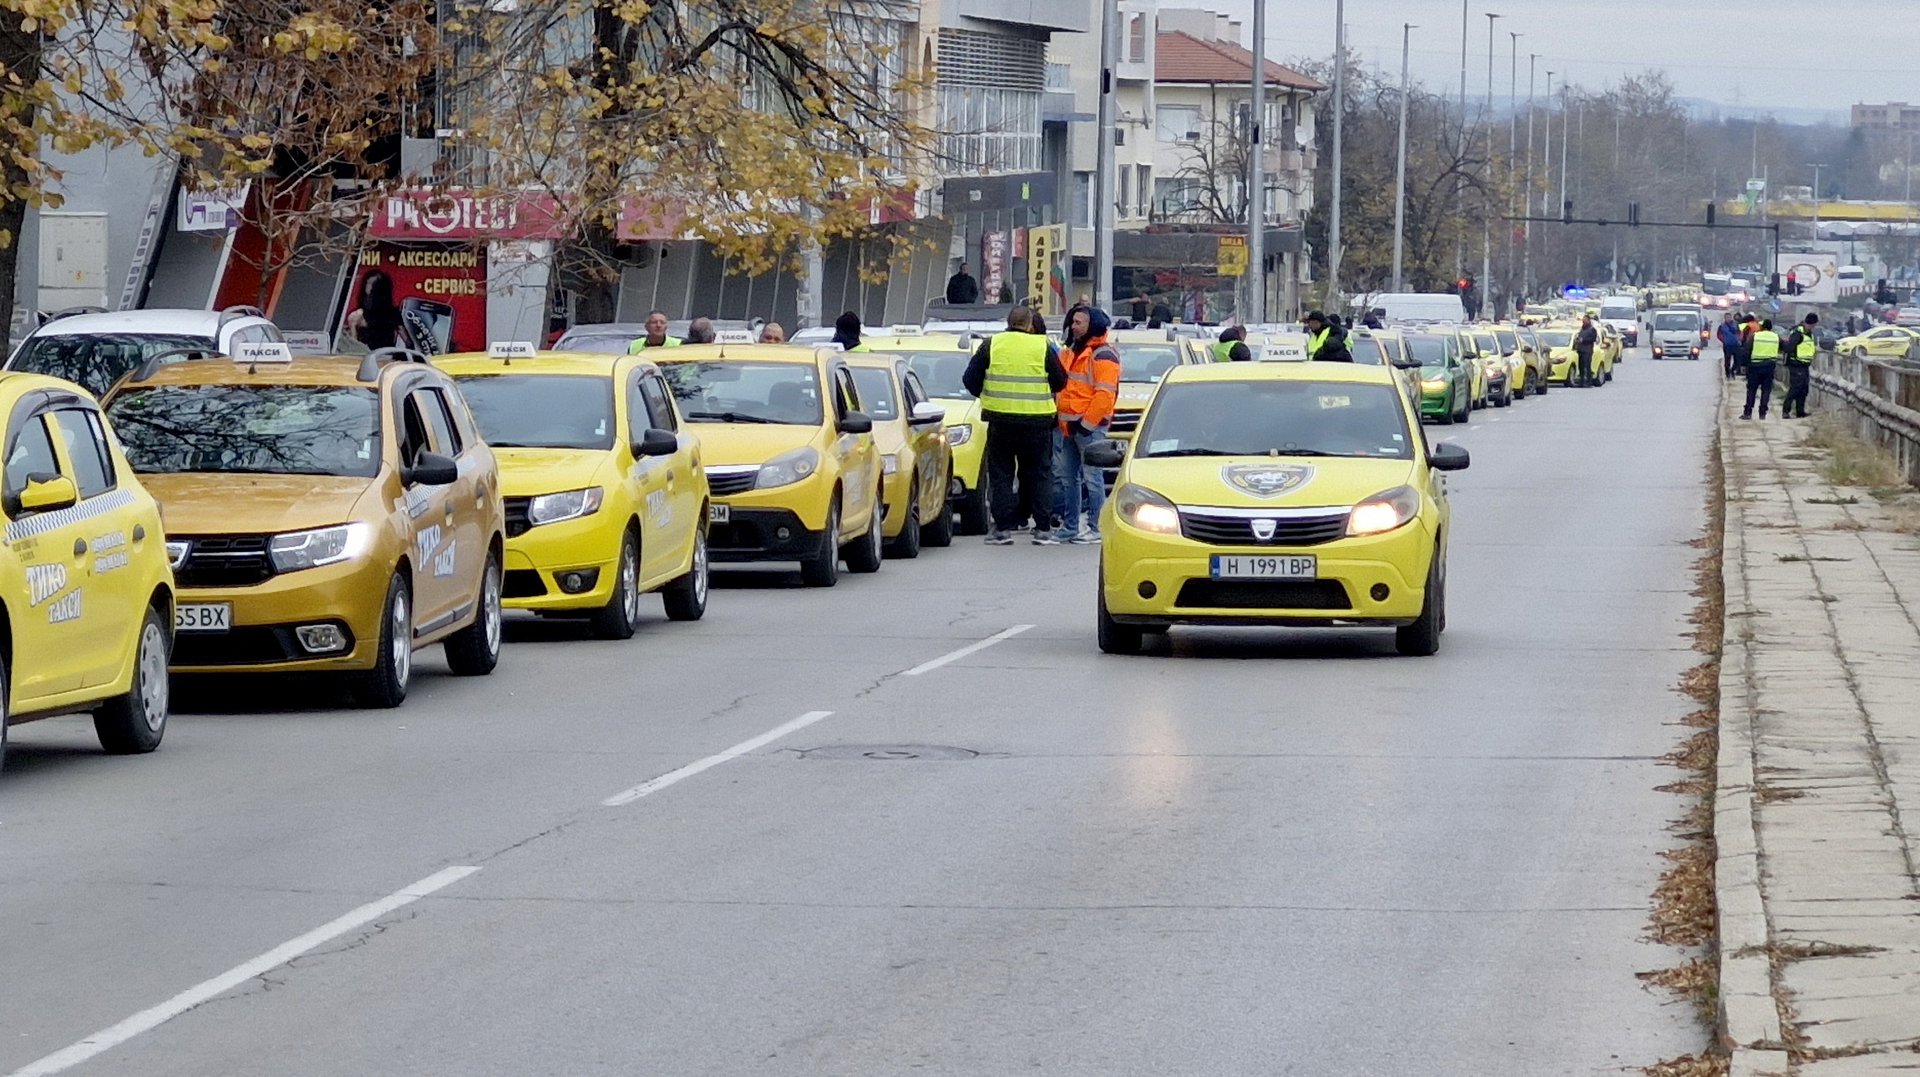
{"points": [[1044, 405], [1751, 347]]}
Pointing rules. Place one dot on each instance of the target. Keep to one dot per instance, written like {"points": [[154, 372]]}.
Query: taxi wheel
{"points": [[135, 722], [617, 618], [823, 568], [475, 650], [906, 546], [1422, 637], [3, 712], [385, 685], [940, 532], [864, 553], [685, 599], [1114, 637], [1465, 412]]}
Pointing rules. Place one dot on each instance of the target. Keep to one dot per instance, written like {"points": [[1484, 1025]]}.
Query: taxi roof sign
{"points": [[906, 330], [733, 336], [262, 351], [510, 349]]}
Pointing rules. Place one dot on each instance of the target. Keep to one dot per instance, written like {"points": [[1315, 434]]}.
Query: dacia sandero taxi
{"points": [[940, 359], [605, 499], [1277, 494], [86, 595], [324, 514], [1564, 364], [915, 461], [789, 454]]}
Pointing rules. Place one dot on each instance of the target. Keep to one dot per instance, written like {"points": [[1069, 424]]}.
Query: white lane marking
{"points": [[147, 1020], [971, 648], [675, 776], [1475, 426]]}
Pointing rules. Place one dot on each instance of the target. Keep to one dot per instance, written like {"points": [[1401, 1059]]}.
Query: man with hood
{"points": [[1086, 408], [846, 333], [1232, 345]]}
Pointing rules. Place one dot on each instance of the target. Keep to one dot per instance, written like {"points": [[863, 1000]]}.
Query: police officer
{"points": [[1232, 345], [1326, 341], [1016, 375], [1762, 351], [1799, 355]]}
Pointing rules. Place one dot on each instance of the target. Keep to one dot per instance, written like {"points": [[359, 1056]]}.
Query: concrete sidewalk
{"points": [[1818, 801]]}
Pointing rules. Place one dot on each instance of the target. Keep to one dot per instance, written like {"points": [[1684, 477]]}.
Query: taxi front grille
{"points": [[225, 561], [1263, 595], [1219, 529], [724, 481], [518, 508]]}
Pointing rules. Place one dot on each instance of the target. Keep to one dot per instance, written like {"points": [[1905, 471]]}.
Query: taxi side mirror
{"points": [[1447, 456], [925, 414], [856, 422], [431, 469], [1104, 454], [1406, 363], [45, 493], [656, 442]]}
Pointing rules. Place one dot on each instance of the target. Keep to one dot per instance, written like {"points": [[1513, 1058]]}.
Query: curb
{"points": [[1749, 1020]]}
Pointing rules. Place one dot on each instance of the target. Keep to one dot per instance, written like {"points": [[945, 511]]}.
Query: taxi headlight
{"points": [[565, 505], [1433, 383], [321, 546], [787, 469], [1146, 510], [960, 435], [890, 463], [1384, 511]]}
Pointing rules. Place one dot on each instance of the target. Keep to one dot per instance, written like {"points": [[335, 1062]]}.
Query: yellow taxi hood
{"points": [[1268, 481], [525, 472], [749, 443], [202, 503], [958, 409]]}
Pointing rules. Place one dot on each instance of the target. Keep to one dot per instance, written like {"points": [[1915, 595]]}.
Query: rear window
{"points": [[95, 361]]}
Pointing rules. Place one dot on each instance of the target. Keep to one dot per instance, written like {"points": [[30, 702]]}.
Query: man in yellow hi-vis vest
{"points": [[1016, 374], [1799, 352], [1762, 351]]}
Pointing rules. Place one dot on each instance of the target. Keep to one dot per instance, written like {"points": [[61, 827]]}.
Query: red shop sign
{"points": [[466, 215]]}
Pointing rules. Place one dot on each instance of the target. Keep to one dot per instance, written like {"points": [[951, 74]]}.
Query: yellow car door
{"points": [[661, 484], [111, 529], [860, 485], [55, 645], [430, 511], [927, 440]]}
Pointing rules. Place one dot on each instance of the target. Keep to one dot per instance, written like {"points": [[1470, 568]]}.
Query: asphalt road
{"points": [[1268, 852]]}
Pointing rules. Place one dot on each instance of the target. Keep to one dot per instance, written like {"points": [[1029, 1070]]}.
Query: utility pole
{"points": [[1816, 200], [1526, 231], [1614, 270], [1564, 126], [1486, 223], [1339, 114], [1513, 133], [1463, 69], [1400, 175], [1103, 213], [1546, 173], [1257, 175]]}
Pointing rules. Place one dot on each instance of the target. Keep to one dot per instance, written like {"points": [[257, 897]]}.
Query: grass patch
{"points": [[1791, 558], [1845, 499], [1703, 1065], [1854, 460]]}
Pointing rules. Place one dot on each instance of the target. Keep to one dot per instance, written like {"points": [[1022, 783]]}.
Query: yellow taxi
{"points": [[1146, 356], [85, 588], [1277, 494], [604, 495], [939, 359], [1563, 364], [1501, 357], [1479, 381], [789, 454], [1889, 341], [324, 514], [915, 460]]}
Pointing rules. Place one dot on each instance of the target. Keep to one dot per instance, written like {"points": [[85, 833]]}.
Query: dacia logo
{"points": [[1266, 480]]}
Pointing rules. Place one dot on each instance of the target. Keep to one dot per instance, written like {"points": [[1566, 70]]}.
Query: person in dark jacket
{"points": [[1016, 375], [846, 333], [1583, 342], [1160, 315], [1801, 347], [1729, 336], [1326, 340], [962, 288]]}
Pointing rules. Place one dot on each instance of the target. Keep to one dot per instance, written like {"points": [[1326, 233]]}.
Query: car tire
{"points": [[823, 568], [1466, 411], [4, 715], [385, 685], [865, 553], [974, 515], [618, 618], [906, 546], [1113, 637], [1422, 637], [685, 599], [939, 533], [134, 722], [475, 650]]}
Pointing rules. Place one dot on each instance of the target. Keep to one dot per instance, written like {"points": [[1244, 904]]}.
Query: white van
{"points": [[1623, 313], [1851, 279], [1412, 307]]}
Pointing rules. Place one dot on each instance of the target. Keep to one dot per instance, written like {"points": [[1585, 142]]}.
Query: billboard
{"points": [[429, 297], [1817, 274]]}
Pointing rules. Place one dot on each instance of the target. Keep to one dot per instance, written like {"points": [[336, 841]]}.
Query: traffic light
{"points": [[1465, 285], [1566, 212], [1793, 284], [1709, 214]]}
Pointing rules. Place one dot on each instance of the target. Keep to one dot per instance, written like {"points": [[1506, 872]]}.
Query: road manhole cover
{"points": [[888, 752]]}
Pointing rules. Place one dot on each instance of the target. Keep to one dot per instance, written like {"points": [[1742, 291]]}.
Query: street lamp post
{"points": [[1486, 222], [1103, 176], [1513, 133], [1526, 227], [1339, 112], [1257, 174], [1400, 174]]}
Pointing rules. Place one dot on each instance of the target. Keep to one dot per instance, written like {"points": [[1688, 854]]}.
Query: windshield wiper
{"points": [[733, 417], [1193, 452]]}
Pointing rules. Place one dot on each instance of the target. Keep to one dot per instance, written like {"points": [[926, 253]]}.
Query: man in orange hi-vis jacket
{"points": [[1086, 407]]}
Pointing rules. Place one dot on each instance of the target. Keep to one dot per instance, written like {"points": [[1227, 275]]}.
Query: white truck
{"points": [[1623, 313], [1676, 334]]}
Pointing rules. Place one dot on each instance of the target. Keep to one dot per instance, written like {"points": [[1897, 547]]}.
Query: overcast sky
{"points": [[1851, 50]]}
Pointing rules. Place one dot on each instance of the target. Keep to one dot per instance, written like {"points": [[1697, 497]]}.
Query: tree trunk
{"points": [[19, 56]]}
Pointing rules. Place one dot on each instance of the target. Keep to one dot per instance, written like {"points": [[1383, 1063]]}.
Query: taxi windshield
{"points": [[541, 411], [97, 360], [940, 372], [877, 396], [1147, 362], [259, 429], [1675, 321], [1556, 338], [1284, 418], [746, 392]]}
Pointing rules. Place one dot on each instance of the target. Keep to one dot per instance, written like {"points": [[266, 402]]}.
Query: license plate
{"points": [[719, 514], [203, 617], [1247, 567]]}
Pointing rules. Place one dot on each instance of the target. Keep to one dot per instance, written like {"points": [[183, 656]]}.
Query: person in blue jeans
{"points": [[1086, 408]]}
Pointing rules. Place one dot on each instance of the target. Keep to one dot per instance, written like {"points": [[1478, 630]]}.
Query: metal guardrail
{"points": [[1884, 397]]}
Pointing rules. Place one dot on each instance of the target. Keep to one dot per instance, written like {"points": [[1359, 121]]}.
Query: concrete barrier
{"points": [[1882, 397]]}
